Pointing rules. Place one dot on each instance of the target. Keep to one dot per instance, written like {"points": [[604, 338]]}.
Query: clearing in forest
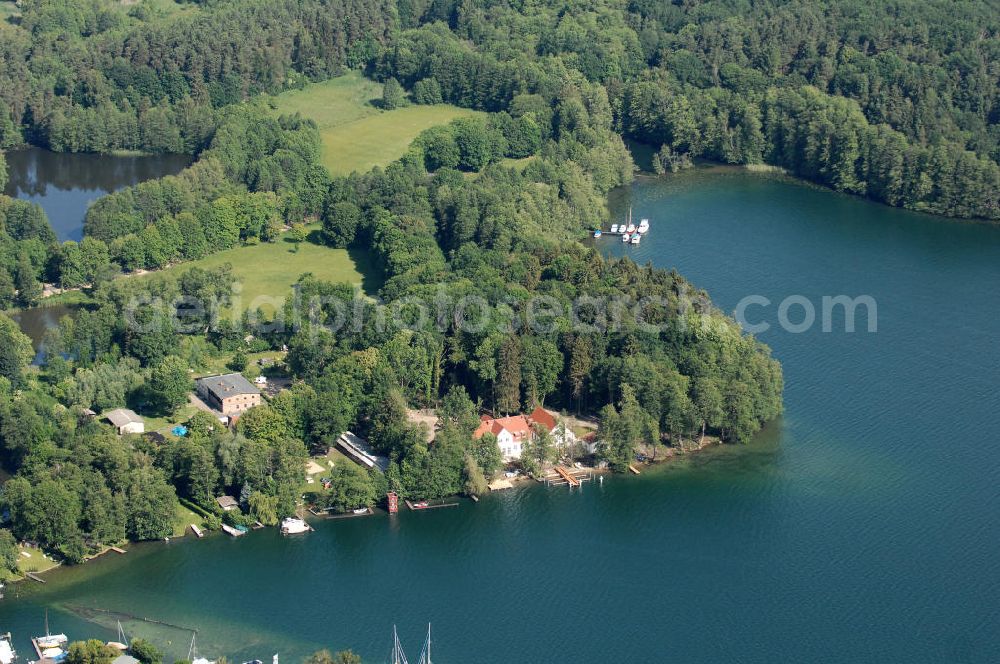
{"points": [[358, 135]]}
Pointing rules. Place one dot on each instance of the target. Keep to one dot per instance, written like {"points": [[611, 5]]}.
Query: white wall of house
{"points": [[510, 448]]}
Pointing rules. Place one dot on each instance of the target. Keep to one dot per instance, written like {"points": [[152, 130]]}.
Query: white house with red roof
{"points": [[514, 430]]}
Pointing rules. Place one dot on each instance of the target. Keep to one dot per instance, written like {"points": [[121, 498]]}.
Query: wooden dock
{"points": [[197, 531], [413, 507], [572, 477], [572, 481], [500, 484], [633, 469], [349, 515], [34, 577], [117, 549]]}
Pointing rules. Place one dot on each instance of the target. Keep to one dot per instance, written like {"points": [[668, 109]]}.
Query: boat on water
{"points": [[397, 656], [293, 526], [597, 233], [630, 229], [626, 237], [361, 510], [193, 656], [422, 505], [7, 653], [643, 226], [51, 646], [235, 531], [635, 238], [614, 228]]}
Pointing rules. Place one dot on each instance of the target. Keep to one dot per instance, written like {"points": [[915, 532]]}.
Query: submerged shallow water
{"points": [[862, 526]]}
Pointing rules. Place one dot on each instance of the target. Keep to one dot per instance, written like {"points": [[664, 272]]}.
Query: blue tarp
{"points": [[179, 430]]}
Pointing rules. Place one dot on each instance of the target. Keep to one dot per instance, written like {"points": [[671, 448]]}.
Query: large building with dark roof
{"points": [[230, 394]]}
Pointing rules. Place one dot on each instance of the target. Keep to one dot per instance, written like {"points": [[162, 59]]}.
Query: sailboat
{"points": [[50, 646], [397, 656], [193, 652], [631, 227], [122, 643], [425, 654]]}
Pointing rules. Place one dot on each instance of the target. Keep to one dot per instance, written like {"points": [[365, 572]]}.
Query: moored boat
{"points": [[361, 510], [630, 229], [232, 530], [292, 526], [7, 654], [636, 238], [614, 228], [643, 226], [626, 237], [597, 233]]}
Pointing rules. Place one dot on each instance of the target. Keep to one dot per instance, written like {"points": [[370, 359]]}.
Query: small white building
{"points": [[125, 421]]}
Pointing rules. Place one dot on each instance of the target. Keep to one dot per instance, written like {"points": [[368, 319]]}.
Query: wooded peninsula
{"points": [[897, 102]]}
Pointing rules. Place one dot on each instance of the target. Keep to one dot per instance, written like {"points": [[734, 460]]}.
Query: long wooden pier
{"points": [[413, 507], [572, 481], [349, 515]]}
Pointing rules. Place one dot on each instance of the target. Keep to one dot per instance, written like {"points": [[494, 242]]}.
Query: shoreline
{"points": [[662, 460]]}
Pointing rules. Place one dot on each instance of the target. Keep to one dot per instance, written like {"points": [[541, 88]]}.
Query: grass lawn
{"points": [[336, 457], [35, 562], [356, 134], [164, 424], [270, 269], [183, 518]]}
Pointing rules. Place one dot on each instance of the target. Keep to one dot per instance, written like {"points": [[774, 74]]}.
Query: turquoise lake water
{"points": [[862, 526]]}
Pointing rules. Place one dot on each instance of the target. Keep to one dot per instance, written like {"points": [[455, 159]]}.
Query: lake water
{"points": [[36, 321], [861, 527], [65, 184]]}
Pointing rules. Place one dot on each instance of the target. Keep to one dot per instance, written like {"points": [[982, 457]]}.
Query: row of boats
{"points": [[631, 233], [289, 526]]}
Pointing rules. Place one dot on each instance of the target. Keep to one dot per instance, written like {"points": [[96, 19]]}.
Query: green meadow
{"points": [[270, 269], [358, 135]]}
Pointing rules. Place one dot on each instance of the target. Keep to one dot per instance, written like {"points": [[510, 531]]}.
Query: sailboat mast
{"points": [[428, 644]]}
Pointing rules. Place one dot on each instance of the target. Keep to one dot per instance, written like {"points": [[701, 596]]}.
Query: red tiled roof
{"points": [[542, 417], [517, 425]]}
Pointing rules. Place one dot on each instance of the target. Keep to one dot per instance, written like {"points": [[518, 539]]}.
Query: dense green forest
{"points": [[896, 101]]}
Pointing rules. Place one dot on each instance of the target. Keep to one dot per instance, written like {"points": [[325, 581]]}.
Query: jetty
{"points": [[349, 515], [571, 477], [424, 505], [34, 577], [500, 484], [197, 531], [572, 481], [633, 469], [117, 549]]}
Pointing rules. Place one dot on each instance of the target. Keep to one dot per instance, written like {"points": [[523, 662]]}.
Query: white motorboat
{"points": [[626, 237], [293, 526], [643, 226], [614, 228], [636, 238], [7, 654]]}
